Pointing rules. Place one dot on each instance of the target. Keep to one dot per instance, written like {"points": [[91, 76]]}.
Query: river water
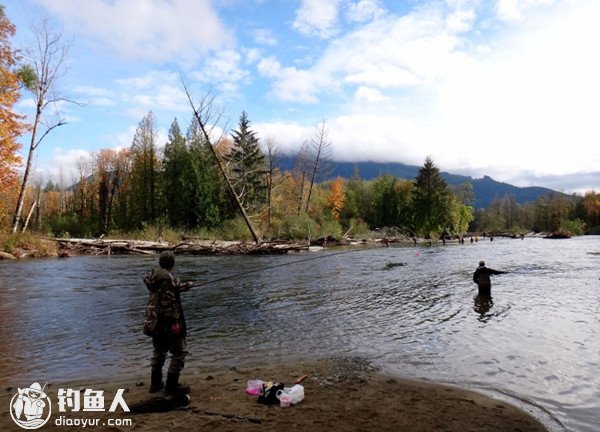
{"points": [[412, 311]]}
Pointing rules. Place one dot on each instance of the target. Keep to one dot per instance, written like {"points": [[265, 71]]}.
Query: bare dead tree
{"points": [[83, 165], [301, 167], [33, 206], [48, 62], [37, 196], [208, 119], [320, 150], [110, 166], [272, 160]]}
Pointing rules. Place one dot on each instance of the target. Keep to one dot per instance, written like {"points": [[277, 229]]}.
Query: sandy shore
{"points": [[340, 395]]}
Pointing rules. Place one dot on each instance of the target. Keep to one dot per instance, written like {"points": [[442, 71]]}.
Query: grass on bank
{"points": [[31, 244], [298, 227]]}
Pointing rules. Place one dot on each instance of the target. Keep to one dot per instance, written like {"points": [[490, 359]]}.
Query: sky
{"points": [[505, 88]]}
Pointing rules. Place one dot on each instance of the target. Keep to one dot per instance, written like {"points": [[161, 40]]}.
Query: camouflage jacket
{"points": [[164, 304]]}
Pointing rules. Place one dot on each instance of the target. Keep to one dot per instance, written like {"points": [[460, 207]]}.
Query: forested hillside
{"points": [[485, 189]]}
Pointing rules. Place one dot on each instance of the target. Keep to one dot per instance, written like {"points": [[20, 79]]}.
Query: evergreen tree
{"points": [[176, 163], [144, 197], [204, 197], [431, 203], [247, 163]]}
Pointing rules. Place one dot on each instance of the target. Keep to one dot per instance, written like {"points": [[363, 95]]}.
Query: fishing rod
{"points": [[202, 283]]}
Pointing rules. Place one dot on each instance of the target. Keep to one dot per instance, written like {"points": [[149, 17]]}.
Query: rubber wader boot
{"points": [[173, 385], [156, 383]]}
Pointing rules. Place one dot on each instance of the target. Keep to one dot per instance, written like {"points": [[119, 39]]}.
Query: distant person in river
{"points": [[482, 278], [165, 322]]}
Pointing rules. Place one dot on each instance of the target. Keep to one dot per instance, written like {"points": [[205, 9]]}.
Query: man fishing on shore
{"points": [[165, 322], [482, 278]]}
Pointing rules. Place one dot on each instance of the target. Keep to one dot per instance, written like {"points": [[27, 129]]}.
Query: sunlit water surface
{"points": [[412, 311]]}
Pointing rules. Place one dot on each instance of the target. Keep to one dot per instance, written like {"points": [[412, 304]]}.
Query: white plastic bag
{"points": [[296, 394]]}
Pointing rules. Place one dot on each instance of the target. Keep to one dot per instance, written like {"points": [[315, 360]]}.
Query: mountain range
{"points": [[486, 189]]}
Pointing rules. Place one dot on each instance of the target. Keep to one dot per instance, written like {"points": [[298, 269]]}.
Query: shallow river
{"points": [[412, 311]]}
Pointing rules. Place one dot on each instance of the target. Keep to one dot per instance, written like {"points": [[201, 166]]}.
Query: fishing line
{"points": [[282, 265]]}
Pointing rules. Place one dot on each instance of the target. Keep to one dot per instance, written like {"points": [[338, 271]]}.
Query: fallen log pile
{"points": [[74, 246]]}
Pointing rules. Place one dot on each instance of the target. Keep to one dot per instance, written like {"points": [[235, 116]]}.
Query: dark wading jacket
{"points": [[482, 278], [164, 304]]}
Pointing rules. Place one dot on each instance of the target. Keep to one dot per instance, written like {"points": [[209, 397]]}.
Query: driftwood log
{"points": [[6, 255], [74, 246]]}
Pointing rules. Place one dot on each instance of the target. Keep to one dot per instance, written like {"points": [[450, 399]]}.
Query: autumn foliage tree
{"points": [[591, 203], [336, 197], [111, 166], [11, 123]]}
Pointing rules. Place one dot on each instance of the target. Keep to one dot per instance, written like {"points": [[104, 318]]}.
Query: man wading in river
{"points": [[164, 321], [482, 278]]}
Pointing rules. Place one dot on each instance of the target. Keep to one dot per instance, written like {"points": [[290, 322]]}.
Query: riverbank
{"points": [[340, 395], [26, 245], [32, 246], [19, 246]]}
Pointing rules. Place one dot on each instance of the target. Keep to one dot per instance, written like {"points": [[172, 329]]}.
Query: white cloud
{"points": [[382, 75], [364, 10], [460, 21], [531, 103], [159, 30], [368, 95], [515, 10], [26, 104], [252, 55], [529, 99], [392, 52], [62, 166], [70, 118], [97, 96], [291, 84], [124, 138], [317, 18], [290, 136], [93, 91], [264, 37], [269, 67], [103, 102], [156, 90], [378, 138], [224, 71]]}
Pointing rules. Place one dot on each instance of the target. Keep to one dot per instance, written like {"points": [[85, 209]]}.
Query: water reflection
{"points": [[482, 305]]}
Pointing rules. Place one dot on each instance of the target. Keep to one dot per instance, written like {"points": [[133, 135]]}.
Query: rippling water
{"points": [[411, 310]]}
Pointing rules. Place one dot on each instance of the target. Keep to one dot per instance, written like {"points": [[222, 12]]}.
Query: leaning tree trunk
{"points": [[218, 161], [32, 146], [29, 216]]}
